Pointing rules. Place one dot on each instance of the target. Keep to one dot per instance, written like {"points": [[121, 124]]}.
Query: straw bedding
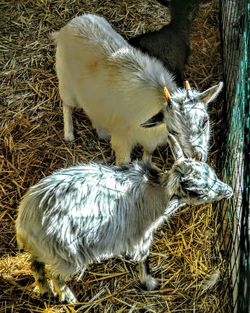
{"points": [[31, 133]]}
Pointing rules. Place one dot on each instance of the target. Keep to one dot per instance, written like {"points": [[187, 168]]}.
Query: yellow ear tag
{"points": [[188, 88], [166, 94]]}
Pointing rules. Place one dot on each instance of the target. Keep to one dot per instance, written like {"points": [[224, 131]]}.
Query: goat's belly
{"points": [[104, 111], [150, 138]]}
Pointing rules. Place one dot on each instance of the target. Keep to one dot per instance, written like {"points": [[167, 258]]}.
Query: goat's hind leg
{"points": [[38, 270], [68, 103], [68, 123]]}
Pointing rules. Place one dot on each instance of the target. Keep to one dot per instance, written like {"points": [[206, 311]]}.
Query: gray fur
{"points": [[91, 212]]}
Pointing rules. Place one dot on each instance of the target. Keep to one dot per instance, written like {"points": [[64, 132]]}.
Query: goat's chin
{"points": [[194, 201]]}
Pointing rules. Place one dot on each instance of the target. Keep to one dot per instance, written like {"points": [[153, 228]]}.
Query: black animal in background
{"points": [[171, 44]]}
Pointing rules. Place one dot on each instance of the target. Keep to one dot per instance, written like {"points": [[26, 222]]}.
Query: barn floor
{"points": [[184, 255]]}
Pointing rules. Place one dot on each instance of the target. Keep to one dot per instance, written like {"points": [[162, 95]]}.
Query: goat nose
{"points": [[229, 193], [198, 156]]}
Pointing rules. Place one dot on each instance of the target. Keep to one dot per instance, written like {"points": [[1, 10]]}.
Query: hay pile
{"points": [[32, 145]]}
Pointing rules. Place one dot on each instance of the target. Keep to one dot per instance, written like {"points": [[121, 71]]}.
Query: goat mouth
{"points": [[229, 194], [199, 154]]}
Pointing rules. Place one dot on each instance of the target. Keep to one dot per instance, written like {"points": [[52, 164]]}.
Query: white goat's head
{"points": [[195, 182], [186, 117]]}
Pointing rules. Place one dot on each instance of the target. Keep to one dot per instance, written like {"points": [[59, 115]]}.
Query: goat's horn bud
{"points": [[166, 94], [188, 88]]}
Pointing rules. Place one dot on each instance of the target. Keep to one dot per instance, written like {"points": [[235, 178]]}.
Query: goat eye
{"points": [[204, 122]]}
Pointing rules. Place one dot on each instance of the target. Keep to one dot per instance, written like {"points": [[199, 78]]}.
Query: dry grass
{"points": [[32, 145]]}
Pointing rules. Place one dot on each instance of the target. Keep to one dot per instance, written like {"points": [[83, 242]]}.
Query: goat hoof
{"points": [[69, 137], [150, 284], [68, 298]]}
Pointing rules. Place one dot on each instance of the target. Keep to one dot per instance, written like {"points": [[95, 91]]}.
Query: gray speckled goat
{"points": [[92, 212], [120, 88]]}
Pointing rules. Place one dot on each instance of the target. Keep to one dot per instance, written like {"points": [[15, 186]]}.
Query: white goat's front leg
{"points": [[147, 156], [148, 281], [63, 291], [140, 254], [68, 123], [122, 150]]}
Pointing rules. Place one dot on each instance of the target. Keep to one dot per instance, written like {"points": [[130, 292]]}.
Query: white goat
{"points": [[91, 212], [120, 88]]}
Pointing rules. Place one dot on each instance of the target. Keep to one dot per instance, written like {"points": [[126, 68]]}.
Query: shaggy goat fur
{"points": [[92, 212]]}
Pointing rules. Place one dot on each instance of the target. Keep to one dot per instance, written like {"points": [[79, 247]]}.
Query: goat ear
{"points": [[210, 94], [175, 147], [155, 120]]}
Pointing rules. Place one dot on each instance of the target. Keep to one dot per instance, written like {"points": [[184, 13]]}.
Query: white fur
{"points": [[120, 88]]}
